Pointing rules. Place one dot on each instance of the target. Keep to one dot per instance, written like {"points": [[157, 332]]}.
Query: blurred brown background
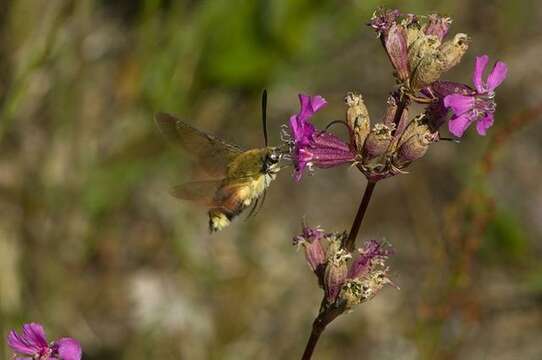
{"points": [[93, 247]]}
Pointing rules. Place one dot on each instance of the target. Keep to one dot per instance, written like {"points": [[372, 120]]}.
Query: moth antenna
{"points": [[264, 116]]}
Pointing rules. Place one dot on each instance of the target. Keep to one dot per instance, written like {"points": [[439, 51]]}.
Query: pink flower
{"points": [[480, 106], [310, 147], [33, 343]]}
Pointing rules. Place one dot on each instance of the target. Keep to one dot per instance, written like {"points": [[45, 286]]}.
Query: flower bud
{"points": [[357, 118], [377, 141], [311, 240], [396, 48], [335, 274]]}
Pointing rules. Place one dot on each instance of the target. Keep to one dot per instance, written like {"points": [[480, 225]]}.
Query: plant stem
{"points": [[313, 340], [318, 326], [351, 241]]}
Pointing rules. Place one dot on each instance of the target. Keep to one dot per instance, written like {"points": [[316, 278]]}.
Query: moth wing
{"points": [[201, 192], [212, 153], [212, 193]]}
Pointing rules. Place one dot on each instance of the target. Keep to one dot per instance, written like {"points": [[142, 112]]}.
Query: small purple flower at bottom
{"points": [[480, 106], [32, 344], [313, 148]]}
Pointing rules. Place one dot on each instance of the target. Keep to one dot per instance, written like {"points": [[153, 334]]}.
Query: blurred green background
{"points": [[93, 247]]}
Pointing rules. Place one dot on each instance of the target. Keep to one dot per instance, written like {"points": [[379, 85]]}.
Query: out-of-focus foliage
{"points": [[92, 245]]}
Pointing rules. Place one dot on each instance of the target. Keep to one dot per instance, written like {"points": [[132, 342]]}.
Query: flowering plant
{"points": [[420, 52]]}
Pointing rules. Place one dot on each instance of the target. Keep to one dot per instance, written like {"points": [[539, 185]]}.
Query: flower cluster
{"points": [[348, 278], [32, 344], [416, 46], [420, 54]]}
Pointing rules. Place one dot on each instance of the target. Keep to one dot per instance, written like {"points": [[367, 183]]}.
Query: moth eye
{"points": [[274, 157]]}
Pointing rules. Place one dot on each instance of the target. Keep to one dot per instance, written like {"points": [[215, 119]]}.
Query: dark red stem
{"points": [[352, 236]]}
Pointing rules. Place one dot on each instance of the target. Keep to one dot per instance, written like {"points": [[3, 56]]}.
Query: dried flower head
{"points": [[367, 274], [383, 19], [431, 59], [357, 118], [378, 141], [371, 254], [416, 46]]}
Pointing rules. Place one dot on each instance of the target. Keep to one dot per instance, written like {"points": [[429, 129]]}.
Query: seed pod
{"points": [[377, 141], [452, 51], [424, 47], [357, 118], [412, 149], [414, 142], [430, 63]]}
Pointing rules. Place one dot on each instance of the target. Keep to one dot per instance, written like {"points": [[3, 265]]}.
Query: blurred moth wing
{"points": [[211, 153], [245, 174]]}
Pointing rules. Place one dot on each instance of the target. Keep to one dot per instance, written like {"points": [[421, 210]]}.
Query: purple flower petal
{"points": [[310, 105], [459, 103], [32, 340], [20, 345], [312, 148], [497, 76], [69, 349], [479, 68], [458, 124], [484, 123], [300, 126], [35, 333]]}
